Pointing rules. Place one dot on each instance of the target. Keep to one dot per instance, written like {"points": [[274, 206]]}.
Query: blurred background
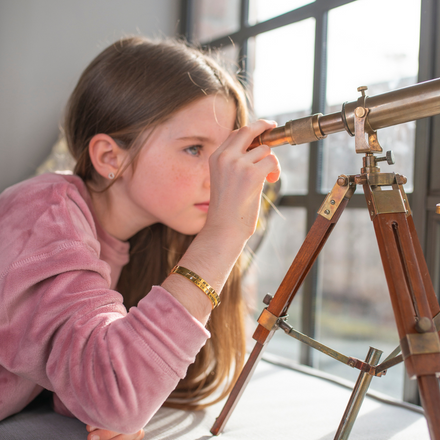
{"points": [[44, 47]]}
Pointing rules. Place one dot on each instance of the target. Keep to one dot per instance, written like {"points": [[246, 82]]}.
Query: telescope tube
{"points": [[391, 108]]}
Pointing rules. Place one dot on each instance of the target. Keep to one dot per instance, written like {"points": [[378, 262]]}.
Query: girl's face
{"points": [[170, 184]]}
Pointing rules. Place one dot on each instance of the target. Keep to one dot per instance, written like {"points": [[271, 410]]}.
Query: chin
{"points": [[191, 230]]}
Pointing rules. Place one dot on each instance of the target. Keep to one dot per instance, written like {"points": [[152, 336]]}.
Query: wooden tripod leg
{"points": [[429, 288], [413, 303], [238, 390], [427, 383], [290, 285]]}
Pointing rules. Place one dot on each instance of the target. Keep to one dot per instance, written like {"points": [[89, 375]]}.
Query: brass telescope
{"points": [[392, 108]]}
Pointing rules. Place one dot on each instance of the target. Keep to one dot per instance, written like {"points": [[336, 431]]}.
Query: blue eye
{"points": [[194, 150]]}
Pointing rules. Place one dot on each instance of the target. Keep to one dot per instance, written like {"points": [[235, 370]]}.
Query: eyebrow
{"points": [[191, 138]]}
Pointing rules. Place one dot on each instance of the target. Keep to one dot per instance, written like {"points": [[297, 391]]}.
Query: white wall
{"points": [[44, 46]]}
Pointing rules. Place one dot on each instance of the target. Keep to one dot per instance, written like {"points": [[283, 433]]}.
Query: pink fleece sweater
{"points": [[64, 328]]}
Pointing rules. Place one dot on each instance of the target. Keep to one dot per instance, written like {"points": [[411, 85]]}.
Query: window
{"points": [[302, 57]]}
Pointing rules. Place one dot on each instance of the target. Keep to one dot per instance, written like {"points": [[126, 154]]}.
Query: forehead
{"points": [[209, 113]]}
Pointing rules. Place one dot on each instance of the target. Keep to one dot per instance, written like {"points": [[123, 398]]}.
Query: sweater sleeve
{"points": [[116, 372], [66, 331]]}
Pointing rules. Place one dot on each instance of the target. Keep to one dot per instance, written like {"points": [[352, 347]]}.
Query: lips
{"points": [[204, 206]]}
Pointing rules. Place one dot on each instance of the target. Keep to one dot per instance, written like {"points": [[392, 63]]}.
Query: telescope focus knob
{"points": [[389, 158]]}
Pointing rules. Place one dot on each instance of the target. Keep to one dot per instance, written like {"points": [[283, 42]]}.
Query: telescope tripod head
{"points": [[363, 129]]}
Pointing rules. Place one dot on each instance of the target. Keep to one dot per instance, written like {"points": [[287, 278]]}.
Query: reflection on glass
{"points": [[382, 56], [354, 307], [282, 89], [213, 19], [262, 10], [284, 237]]}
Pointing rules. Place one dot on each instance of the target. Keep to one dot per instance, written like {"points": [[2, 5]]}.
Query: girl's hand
{"points": [[103, 434], [237, 179]]}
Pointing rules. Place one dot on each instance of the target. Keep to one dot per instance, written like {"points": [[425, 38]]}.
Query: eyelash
{"points": [[190, 150]]}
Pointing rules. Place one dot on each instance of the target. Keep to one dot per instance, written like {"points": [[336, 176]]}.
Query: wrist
{"points": [[211, 256], [199, 282]]}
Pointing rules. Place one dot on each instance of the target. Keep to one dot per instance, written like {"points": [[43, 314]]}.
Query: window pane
{"points": [[284, 237], [262, 10], [282, 90], [382, 56], [354, 306], [213, 19], [227, 56]]}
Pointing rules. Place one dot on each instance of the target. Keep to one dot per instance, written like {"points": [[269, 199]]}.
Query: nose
{"points": [[207, 177], [207, 181]]}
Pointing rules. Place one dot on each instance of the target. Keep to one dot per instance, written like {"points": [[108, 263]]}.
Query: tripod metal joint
{"points": [[365, 367], [420, 343], [343, 189], [384, 202], [268, 320]]}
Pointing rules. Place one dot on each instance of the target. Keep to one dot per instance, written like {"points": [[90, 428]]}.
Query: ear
{"points": [[106, 155]]}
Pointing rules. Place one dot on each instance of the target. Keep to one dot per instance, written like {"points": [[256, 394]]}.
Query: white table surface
{"points": [[278, 403]]}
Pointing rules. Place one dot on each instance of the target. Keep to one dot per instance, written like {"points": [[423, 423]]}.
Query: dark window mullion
{"points": [[243, 44], [186, 24], [427, 56], [308, 318], [424, 142]]}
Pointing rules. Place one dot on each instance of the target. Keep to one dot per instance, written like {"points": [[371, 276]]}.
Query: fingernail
{"points": [[95, 437]]}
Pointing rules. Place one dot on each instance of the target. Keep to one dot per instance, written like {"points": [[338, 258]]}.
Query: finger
{"points": [[258, 153], [245, 135], [137, 436], [248, 133], [102, 434], [270, 167], [273, 177]]}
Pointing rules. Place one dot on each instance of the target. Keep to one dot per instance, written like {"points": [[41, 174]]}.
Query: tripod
{"points": [[413, 299]]}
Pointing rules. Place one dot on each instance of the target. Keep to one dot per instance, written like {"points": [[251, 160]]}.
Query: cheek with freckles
{"points": [[183, 178], [175, 187]]}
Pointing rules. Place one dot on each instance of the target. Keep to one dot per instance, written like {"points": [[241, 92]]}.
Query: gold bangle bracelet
{"points": [[199, 282]]}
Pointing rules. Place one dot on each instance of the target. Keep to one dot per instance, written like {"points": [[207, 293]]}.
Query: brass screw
{"points": [[342, 180], [362, 89], [327, 211], [359, 112], [423, 325], [332, 202], [267, 299]]}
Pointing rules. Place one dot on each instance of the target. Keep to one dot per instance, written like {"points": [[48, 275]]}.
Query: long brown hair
{"points": [[133, 85]]}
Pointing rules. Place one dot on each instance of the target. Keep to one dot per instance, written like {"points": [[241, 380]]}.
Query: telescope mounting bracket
{"points": [[362, 127]]}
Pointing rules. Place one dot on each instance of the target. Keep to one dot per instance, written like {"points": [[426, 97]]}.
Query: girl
{"points": [[163, 198]]}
